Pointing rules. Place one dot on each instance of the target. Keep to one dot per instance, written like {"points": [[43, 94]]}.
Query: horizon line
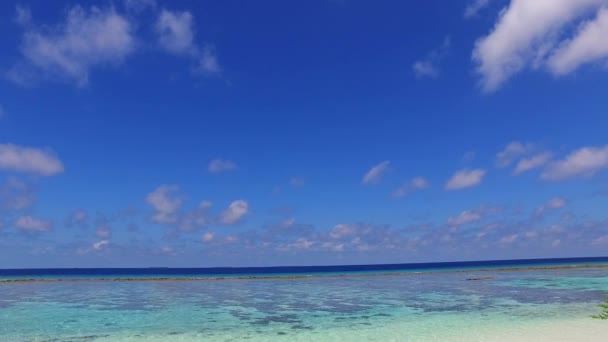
{"points": [[304, 266]]}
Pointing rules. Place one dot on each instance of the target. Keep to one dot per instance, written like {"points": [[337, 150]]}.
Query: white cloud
{"points": [[288, 223], [424, 68], [176, 35], [220, 165], [429, 65], [166, 204], [402, 190], [79, 216], [300, 243], [333, 246], [465, 217], [342, 237], [532, 234], [176, 32], [555, 203], [509, 239], [552, 204], [23, 15], [32, 224], [16, 195], [534, 162], [375, 174], [583, 162], [231, 239], [208, 62], [417, 183], [526, 34], [341, 231], [100, 244], [205, 204], [420, 183], [521, 153], [103, 227], [69, 50], [474, 7], [600, 241], [588, 45], [196, 218], [235, 212], [465, 179], [208, 236], [28, 159], [167, 250], [513, 151]]}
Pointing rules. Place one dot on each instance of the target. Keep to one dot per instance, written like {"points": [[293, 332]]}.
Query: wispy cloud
{"points": [[32, 224], [97, 36], [16, 195], [474, 7], [208, 236], [376, 173], [532, 34], [99, 245], [208, 61], [587, 46], [526, 157], [509, 239], [429, 65], [176, 33], [29, 159], [103, 227], [465, 179], [78, 218], [464, 217], [417, 183], [513, 151], [473, 215], [67, 51], [221, 165], [166, 204], [533, 162], [235, 212], [196, 218], [552, 204], [600, 241], [583, 162]]}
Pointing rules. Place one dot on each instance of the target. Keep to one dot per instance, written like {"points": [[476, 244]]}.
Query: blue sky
{"points": [[232, 133]]}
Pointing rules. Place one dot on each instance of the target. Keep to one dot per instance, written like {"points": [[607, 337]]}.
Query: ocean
{"points": [[522, 300]]}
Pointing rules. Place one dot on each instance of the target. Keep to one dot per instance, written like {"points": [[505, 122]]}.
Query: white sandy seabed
{"points": [[571, 330]]}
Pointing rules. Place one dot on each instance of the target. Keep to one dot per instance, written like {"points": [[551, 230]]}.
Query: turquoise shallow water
{"points": [[400, 307]]}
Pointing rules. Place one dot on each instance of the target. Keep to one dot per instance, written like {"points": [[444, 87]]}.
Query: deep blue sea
{"points": [[215, 272]]}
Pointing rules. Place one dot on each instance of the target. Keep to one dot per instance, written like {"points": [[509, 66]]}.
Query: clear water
{"points": [[401, 307]]}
